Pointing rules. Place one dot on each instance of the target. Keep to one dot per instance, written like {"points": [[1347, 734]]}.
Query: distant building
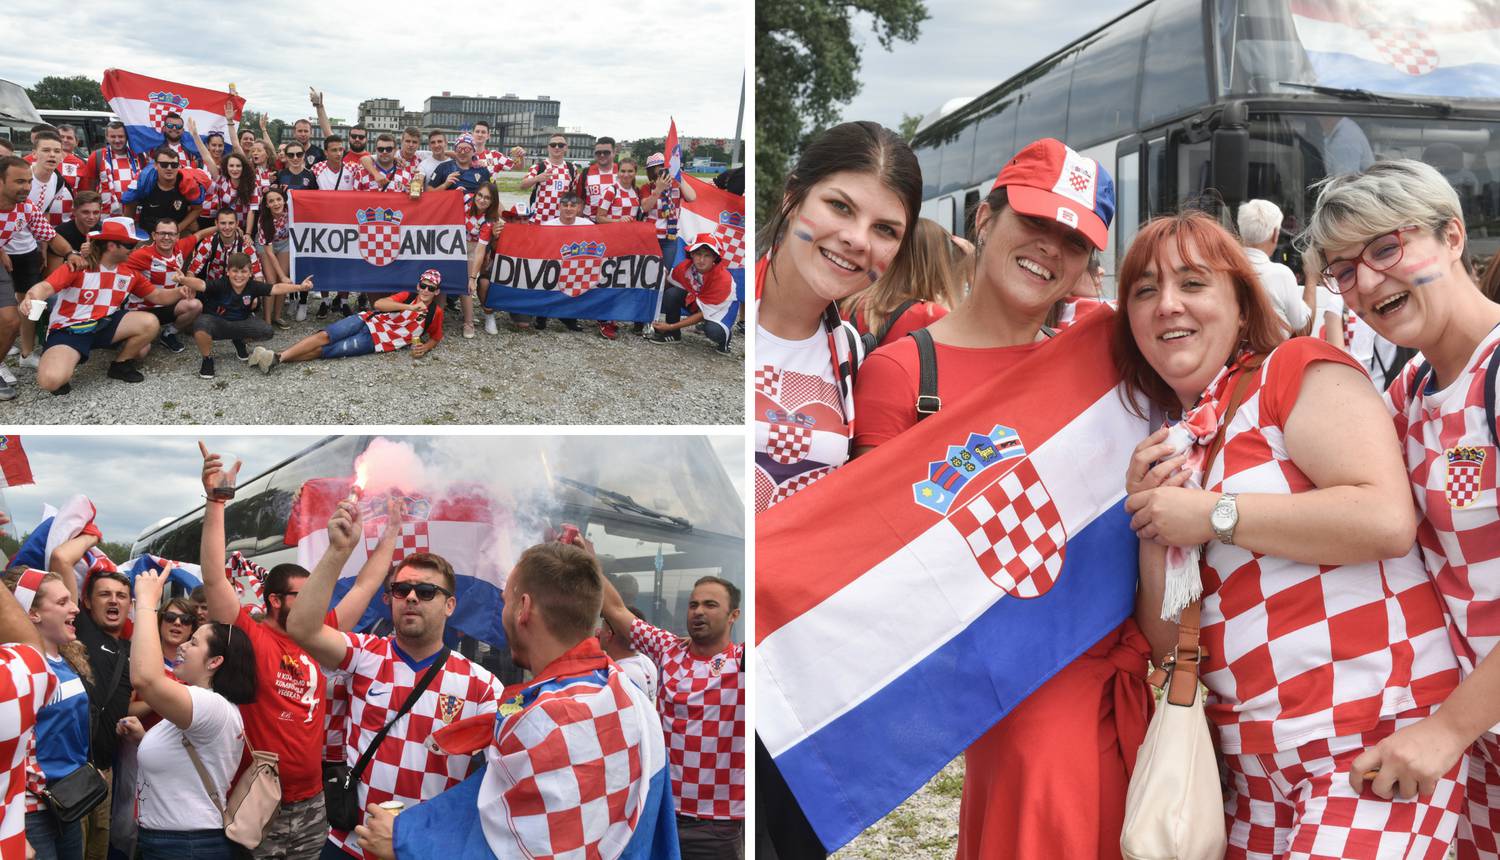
{"points": [[379, 115]]}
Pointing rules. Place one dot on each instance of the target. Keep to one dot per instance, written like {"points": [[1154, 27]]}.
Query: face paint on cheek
{"points": [[874, 274], [804, 234], [1423, 273]]}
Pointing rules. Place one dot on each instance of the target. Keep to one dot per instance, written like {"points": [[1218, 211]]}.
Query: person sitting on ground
{"points": [[701, 282], [412, 318], [228, 311], [90, 310]]}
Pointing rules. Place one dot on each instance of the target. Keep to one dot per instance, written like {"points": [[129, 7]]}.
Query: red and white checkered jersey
{"points": [[213, 253], [188, 159], [550, 192], [22, 227], [592, 186], [339, 177], [53, 200], [621, 202], [71, 168], [400, 178], [156, 267], [476, 227], [405, 768], [495, 160], [1450, 455], [110, 174], [1301, 652], [392, 330], [568, 774], [86, 296], [25, 686], [702, 707], [223, 195]]}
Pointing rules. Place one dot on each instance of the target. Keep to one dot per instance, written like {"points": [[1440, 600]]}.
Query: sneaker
{"points": [[6, 376], [665, 337], [283, 323], [15, 349], [322, 309], [169, 339], [7, 391], [571, 325], [608, 330], [451, 303], [65, 388], [125, 372], [489, 324], [469, 330], [206, 369], [31, 361], [240, 350], [345, 310], [539, 323], [722, 350], [301, 311]]}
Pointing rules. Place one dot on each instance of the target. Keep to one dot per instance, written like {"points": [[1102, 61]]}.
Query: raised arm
{"points": [[305, 621], [372, 574], [284, 288], [15, 625], [615, 613], [65, 560], [208, 161], [317, 102], [148, 675], [223, 603]]}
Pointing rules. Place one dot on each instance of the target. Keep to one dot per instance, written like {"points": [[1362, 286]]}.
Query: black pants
{"points": [[673, 300], [781, 830], [26, 269], [709, 839]]}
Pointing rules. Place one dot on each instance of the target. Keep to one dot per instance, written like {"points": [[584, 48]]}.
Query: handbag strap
{"points": [[411, 699], [208, 783], [1182, 684]]}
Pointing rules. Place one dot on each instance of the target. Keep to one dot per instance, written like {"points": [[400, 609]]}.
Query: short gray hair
{"points": [[1389, 195], [1258, 221]]}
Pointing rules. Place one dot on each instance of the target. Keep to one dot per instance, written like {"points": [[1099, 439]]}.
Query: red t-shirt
{"points": [[885, 392], [919, 315], [286, 717]]}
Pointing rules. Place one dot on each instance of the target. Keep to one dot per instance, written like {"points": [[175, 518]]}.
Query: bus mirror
{"points": [[1229, 153]]}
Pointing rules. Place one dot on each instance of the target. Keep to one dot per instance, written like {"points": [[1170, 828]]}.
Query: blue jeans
{"points": [[349, 336], [184, 845], [52, 839]]}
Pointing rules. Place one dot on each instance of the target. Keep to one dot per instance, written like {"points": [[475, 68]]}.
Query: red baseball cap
{"points": [[1049, 180]]}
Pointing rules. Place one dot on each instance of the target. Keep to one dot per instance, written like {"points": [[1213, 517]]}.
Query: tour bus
{"points": [[17, 115], [90, 125], [1213, 102], [659, 518]]}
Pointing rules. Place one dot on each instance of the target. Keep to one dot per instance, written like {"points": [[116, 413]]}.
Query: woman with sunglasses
{"points": [[1391, 241], [1320, 632], [410, 318]]}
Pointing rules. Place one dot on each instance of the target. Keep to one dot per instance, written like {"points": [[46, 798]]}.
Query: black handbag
{"points": [[341, 782], [76, 794]]}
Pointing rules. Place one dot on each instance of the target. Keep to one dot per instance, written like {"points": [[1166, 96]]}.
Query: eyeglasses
{"points": [[175, 126], [431, 288], [177, 618], [599, 152], [168, 165], [358, 136], [164, 234], [385, 149], [425, 590], [558, 145], [294, 154], [1379, 254]]}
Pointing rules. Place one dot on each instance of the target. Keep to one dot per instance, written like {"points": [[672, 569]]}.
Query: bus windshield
{"points": [[1406, 47]]}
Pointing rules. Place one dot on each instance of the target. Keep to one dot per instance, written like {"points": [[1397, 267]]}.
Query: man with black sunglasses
{"points": [[383, 172], [380, 673], [172, 127], [164, 193], [550, 178], [599, 176]]}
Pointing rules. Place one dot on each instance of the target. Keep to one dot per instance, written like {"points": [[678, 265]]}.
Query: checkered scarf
{"points": [[244, 573], [1193, 435]]}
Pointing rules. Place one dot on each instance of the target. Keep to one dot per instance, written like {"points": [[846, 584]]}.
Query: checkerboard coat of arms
{"points": [[379, 235], [161, 103], [581, 264], [731, 236], [1465, 468], [1015, 532]]}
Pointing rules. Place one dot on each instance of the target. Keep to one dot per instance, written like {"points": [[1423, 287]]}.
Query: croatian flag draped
{"points": [[466, 527], [15, 468], [908, 601], [185, 574], [373, 241], [58, 526], [1439, 49], [142, 103], [591, 272], [718, 212]]}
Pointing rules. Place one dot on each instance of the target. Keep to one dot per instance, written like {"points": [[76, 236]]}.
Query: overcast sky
{"points": [[615, 74], [135, 481], [965, 49]]}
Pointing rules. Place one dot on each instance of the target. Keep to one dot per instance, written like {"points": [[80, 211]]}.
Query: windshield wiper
{"points": [[1367, 96], [623, 503]]}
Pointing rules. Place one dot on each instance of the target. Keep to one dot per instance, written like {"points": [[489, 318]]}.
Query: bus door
{"points": [[1130, 201]]}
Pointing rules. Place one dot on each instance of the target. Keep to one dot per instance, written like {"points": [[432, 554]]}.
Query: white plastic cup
{"points": [[35, 309]]}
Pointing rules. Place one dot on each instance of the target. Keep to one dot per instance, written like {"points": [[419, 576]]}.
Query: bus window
{"points": [[1127, 201], [1176, 76], [1044, 103], [971, 211], [958, 162], [995, 142], [1157, 178], [1101, 105], [930, 160]]}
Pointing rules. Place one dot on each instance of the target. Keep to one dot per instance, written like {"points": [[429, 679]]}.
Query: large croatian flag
{"points": [[908, 601], [374, 241], [466, 527], [721, 213], [58, 526], [142, 103], [1442, 49], [590, 272]]}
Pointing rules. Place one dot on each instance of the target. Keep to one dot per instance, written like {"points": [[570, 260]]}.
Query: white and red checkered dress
{"points": [[404, 768], [400, 178], [223, 195], [1302, 652], [1451, 458], [111, 174], [569, 773], [550, 192], [23, 227], [218, 263], [86, 296], [621, 202], [25, 686], [702, 707], [53, 200], [395, 329], [495, 160]]}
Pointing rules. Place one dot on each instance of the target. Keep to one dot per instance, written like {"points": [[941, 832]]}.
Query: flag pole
{"points": [[739, 124]]}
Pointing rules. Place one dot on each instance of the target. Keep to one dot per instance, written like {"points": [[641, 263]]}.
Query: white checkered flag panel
{"points": [[581, 265], [1015, 532]]}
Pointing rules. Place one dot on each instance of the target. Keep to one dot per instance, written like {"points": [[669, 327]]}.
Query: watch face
{"points": [[1223, 516]]}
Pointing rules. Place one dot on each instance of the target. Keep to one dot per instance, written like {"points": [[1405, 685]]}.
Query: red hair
{"points": [[1202, 243]]}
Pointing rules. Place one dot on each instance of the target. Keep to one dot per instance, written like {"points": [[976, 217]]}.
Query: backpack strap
{"points": [[890, 321], [1489, 398], [928, 402]]}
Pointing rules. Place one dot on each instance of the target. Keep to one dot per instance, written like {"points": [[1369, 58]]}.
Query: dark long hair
{"points": [[235, 677], [265, 225], [244, 190]]}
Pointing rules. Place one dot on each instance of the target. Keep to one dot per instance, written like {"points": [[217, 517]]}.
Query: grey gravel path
{"points": [[925, 826]]}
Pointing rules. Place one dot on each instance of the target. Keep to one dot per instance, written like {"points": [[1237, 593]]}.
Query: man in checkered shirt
{"points": [[110, 170], [383, 670], [25, 686], [702, 707], [570, 761], [494, 159]]}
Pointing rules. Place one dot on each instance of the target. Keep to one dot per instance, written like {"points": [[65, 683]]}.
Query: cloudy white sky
{"points": [[618, 74], [965, 49], [135, 481]]}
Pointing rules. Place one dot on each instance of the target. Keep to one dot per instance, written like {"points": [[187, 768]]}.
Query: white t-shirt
{"points": [[427, 164], [802, 423], [169, 794], [640, 669], [1281, 287]]}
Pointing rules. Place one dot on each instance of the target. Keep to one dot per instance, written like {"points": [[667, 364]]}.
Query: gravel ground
{"points": [[517, 377], [925, 826]]}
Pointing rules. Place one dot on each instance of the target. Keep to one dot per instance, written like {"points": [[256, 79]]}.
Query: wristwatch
{"points": [[1225, 516]]}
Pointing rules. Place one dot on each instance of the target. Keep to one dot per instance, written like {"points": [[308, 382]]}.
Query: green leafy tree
{"points": [[119, 553], [909, 123], [75, 92], [713, 152], [806, 70]]}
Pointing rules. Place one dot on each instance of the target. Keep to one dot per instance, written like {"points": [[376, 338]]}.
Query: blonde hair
{"points": [[74, 652], [1355, 208], [926, 273]]}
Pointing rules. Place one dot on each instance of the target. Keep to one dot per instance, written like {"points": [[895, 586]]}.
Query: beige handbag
{"points": [[253, 800]]}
